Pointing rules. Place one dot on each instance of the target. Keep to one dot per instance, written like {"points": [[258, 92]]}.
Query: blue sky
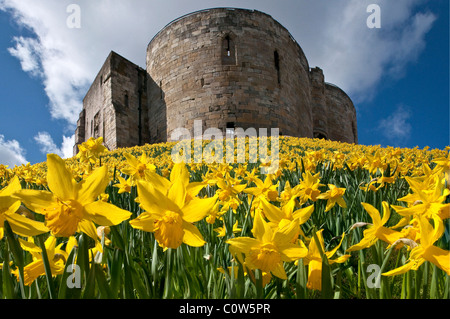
{"points": [[397, 75]]}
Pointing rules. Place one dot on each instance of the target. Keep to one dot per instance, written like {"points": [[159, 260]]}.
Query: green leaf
{"points": [[48, 270], [64, 291], [8, 282], [105, 290]]}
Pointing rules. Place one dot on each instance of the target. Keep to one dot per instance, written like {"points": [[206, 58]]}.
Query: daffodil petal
{"points": [[177, 193], [273, 213], [153, 200], [400, 270], [243, 244], [192, 236], [106, 214], [26, 227], [35, 200], [279, 271], [439, 257], [13, 186], [262, 230], [373, 212], [88, 227], [287, 233], [198, 208], [93, 186], [59, 179], [291, 252], [144, 222], [303, 214]]}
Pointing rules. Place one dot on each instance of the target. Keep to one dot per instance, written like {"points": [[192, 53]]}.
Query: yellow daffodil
{"points": [[426, 251], [138, 167], [229, 188], [314, 260], [72, 206], [376, 230], [223, 231], [90, 150], [333, 195], [9, 205], [425, 200], [264, 189], [308, 188], [56, 257], [124, 185], [269, 249], [279, 217], [171, 218]]}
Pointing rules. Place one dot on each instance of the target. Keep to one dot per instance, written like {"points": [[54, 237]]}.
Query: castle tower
{"points": [[319, 104], [115, 107], [230, 68]]}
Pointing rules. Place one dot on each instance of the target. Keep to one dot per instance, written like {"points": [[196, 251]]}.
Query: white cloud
{"points": [[357, 58], [48, 146], [396, 128], [11, 153], [333, 34], [27, 51]]}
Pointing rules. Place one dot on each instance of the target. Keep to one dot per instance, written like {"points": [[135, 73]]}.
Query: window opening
{"points": [[230, 130], [277, 65]]}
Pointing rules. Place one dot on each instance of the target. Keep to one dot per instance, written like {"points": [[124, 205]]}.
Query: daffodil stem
{"points": [[48, 271], [259, 284], [168, 278], [14, 247]]}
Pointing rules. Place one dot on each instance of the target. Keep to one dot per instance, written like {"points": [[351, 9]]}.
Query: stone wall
{"points": [[115, 107], [341, 115], [229, 68]]}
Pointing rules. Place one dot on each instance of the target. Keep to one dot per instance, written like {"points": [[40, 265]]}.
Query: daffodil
{"points": [[170, 217], [72, 206], [308, 188], [57, 258], [266, 188], [90, 150], [9, 206], [222, 231], [279, 217], [442, 165], [229, 188], [333, 195], [137, 168], [426, 251], [428, 199], [269, 249], [376, 230], [124, 185], [314, 260]]}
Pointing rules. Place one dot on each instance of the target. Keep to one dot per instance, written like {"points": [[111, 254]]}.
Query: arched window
{"points": [[228, 50]]}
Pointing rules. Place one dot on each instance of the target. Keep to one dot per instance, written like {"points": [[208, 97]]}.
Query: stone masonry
{"points": [[229, 68]]}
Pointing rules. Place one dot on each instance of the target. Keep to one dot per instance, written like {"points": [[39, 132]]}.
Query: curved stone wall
{"points": [[229, 68]]}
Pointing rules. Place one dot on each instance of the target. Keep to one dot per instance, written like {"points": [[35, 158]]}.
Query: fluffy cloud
{"points": [[356, 57], [48, 146], [396, 127], [352, 56], [11, 153]]}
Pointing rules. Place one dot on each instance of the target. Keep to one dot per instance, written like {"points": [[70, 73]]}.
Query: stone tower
{"points": [[227, 67]]}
